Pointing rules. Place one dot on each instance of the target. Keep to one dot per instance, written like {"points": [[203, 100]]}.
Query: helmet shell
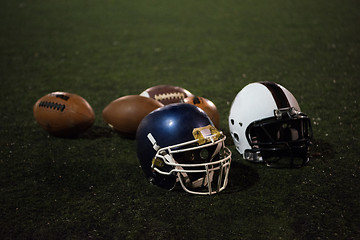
{"points": [[254, 102], [170, 125]]}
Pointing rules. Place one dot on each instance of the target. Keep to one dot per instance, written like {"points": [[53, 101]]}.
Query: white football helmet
{"points": [[267, 125]]}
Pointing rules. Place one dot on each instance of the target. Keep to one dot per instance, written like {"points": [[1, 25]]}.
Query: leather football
{"points": [[125, 113], [63, 114], [207, 106], [166, 94]]}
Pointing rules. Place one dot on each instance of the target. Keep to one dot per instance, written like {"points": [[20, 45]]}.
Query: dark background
{"points": [[92, 186]]}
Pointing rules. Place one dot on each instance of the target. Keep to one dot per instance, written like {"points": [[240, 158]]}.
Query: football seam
{"points": [[173, 95], [52, 105]]}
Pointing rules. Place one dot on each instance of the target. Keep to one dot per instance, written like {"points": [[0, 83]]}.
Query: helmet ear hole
{"points": [[236, 137], [204, 154], [232, 121]]}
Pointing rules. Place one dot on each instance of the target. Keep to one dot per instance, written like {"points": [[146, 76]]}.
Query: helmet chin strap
{"points": [[217, 150], [201, 182]]}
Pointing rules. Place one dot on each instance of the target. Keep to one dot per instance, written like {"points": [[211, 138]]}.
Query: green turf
{"points": [[93, 187]]}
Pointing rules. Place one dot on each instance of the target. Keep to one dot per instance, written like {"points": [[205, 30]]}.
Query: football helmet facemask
{"points": [[179, 145]]}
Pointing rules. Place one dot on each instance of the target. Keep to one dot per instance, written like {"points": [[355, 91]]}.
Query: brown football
{"points": [[166, 94], [125, 114], [206, 105], [63, 114]]}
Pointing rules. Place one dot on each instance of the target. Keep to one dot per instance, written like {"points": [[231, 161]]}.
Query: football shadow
{"points": [[96, 132]]}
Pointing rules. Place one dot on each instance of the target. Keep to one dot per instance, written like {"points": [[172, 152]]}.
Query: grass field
{"points": [[92, 187]]}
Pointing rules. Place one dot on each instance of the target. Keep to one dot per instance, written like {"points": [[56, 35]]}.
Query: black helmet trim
{"points": [[269, 146], [278, 94]]}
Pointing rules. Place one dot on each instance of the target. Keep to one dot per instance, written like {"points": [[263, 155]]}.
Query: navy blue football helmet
{"points": [[178, 143]]}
